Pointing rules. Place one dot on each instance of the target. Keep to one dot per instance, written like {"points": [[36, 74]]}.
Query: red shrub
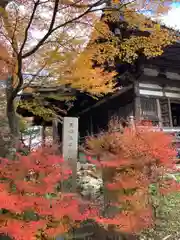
{"points": [[26, 184], [131, 162]]}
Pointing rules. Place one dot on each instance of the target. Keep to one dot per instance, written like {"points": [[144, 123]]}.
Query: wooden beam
{"points": [[104, 100]]}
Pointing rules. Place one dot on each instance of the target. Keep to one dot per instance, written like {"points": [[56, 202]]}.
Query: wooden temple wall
{"points": [[98, 118], [150, 98], [157, 96]]}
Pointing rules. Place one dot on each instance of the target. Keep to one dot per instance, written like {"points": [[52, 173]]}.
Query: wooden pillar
{"points": [[137, 102], [170, 114], [159, 112], [132, 123]]}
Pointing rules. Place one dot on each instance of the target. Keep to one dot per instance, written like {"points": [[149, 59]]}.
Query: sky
{"points": [[172, 18]]}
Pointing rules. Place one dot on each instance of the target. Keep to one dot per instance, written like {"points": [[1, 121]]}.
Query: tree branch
{"points": [[33, 78], [51, 29], [20, 78], [47, 34], [76, 5], [15, 28], [28, 26], [9, 38], [20, 57]]}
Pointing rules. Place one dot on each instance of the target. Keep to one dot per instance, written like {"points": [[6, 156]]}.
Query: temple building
{"points": [[152, 93], [147, 90]]}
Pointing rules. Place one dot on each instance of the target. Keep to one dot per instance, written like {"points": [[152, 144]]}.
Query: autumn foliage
{"points": [[32, 204], [131, 163]]}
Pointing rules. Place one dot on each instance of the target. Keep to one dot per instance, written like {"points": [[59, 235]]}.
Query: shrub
{"points": [[31, 203], [132, 162]]}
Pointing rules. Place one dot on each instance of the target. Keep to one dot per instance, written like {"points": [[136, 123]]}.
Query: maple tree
{"points": [[52, 53], [133, 164], [49, 48], [135, 35], [32, 205]]}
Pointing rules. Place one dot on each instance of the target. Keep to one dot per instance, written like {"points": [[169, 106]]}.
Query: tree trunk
{"points": [[13, 119], [13, 122]]}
